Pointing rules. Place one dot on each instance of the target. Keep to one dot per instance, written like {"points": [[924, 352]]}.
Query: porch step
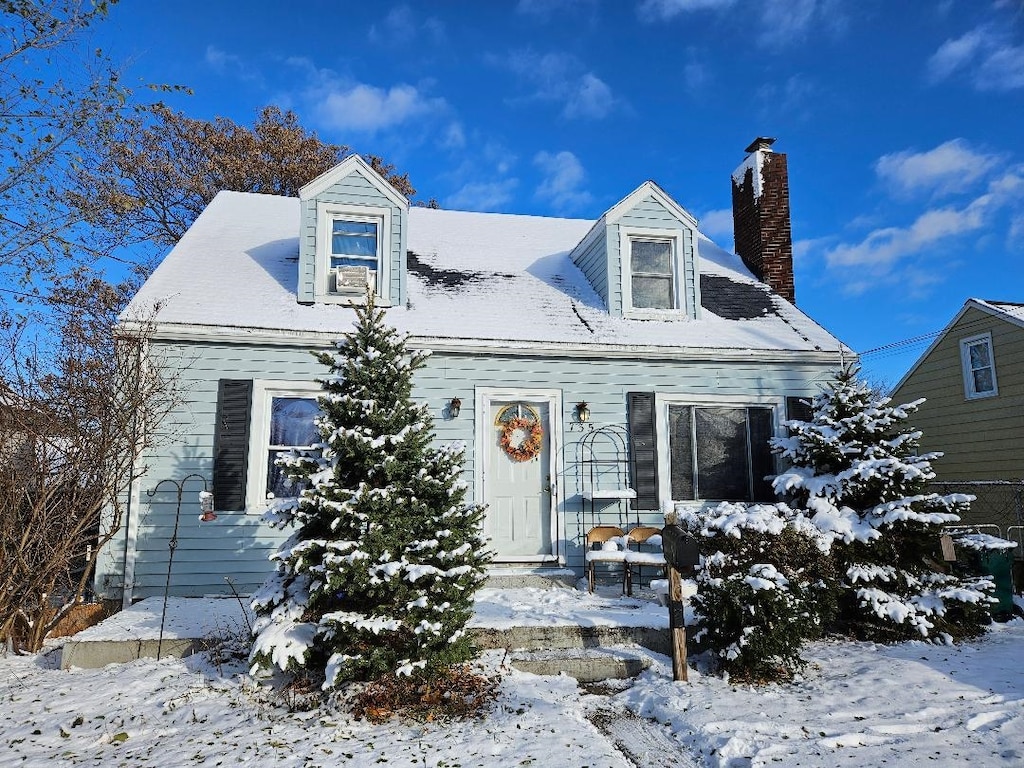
{"points": [[586, 666], [569, 636], [541, 578]]}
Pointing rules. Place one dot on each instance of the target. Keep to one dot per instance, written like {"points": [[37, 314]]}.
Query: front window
{"points": [[720, 453], [353, 255], [291, 428], [652, 274], [978, 366]]}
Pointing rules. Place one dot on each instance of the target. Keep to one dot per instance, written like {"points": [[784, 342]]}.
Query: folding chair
{"points": [[605, 544], [648, 553]]}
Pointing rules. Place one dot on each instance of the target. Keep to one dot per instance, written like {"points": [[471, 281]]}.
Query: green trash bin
{"points": [[998, 563]]}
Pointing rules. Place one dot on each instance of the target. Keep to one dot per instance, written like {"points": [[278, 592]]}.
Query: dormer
{"points": [[641, 257], [352, 234]]}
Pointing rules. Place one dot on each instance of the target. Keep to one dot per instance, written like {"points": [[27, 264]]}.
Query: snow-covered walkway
{"points": [[858, 704]]}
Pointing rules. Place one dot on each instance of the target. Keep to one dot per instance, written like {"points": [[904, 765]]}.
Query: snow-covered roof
{"points": [[494, 279], [1008, 310]]}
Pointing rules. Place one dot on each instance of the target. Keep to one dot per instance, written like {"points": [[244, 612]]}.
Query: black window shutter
{"points": [[231, 443], [643, 449], [799, 409], [760, 425]]}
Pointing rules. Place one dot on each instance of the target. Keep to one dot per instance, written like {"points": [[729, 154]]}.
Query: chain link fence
{"points": [[998, 503]]}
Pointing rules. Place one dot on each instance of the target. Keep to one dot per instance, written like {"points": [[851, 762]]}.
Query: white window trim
{"points": [[661, 405], [965, 366], [675, 236], [326, 213], [263, 393]]}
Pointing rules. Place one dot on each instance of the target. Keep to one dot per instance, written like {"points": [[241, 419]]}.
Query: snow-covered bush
{"points": [[378, 577], [857, 476], [763, 587]]}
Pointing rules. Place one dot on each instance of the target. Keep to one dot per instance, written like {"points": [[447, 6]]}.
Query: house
{"points": [[655, 363], [973, 378]]}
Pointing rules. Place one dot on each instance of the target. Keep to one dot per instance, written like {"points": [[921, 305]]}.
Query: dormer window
{"points": [[351, 248], [651, 272], [652, 276], [354, 256]]}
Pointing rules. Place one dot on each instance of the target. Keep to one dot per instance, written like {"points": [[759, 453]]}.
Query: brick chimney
{"points": [[760, 216]]}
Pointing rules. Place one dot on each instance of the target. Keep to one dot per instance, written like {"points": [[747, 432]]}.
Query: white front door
{"points": [[519, 485]]}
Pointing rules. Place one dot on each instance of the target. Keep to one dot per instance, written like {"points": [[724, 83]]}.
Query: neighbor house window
{"points": [[720, 453], [978, 366], [652, 274], [352, 246], [291, 428]]}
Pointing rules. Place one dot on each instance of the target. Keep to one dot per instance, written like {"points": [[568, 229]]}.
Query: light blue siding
{"points": [[237, 545], [354, 189], [592, 260]]}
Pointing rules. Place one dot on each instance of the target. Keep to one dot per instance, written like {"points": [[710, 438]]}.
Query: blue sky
{"points": [[903, 121]]}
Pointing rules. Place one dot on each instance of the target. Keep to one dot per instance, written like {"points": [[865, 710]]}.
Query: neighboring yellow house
{"points": [[973, 379]]}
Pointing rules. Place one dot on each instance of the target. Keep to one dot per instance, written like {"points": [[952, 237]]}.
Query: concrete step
{"points": [[589, 665], [569, 636], [500, 577], [516, 619]]}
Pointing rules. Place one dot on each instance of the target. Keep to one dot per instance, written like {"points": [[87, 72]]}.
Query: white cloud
{"points": [[955, 54], [985, 55], [400, 27], [592, 98], [454, 137], [717, 225], [224, 63], [363, 107], [482, 196], [779, 22], [337, 102], [663, 10], [788, 21], [696, 75], [918, 255], [545, 9], [560, 77], [563, 177], [790, 99], [950, 167], [884, 247]]}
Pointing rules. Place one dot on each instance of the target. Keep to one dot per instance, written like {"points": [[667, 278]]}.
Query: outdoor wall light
{"points": [[454, 406], [583, 411]]}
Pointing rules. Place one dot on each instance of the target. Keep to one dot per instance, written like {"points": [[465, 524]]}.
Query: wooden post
{"points": [[677, 623]]}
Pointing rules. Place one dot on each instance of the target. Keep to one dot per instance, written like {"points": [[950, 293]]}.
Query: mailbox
{"points": [[680, 548]]}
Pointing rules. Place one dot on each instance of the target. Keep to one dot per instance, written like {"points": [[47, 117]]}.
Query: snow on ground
{"points": [[857, 704]]}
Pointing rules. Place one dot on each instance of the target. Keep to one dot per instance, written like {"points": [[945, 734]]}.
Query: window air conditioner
{"points": [[354, 279]]}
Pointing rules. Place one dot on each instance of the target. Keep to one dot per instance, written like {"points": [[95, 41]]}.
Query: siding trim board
{"points": [[325, 340]]}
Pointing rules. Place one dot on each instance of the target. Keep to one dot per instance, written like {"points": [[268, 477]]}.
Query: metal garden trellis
{"points": [[206, 505]]}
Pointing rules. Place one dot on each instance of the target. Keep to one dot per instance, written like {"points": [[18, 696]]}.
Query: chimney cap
{"points": [[760, 143]]}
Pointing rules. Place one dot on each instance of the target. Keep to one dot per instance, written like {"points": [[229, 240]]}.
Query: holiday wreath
{"points": [[521, 438]]}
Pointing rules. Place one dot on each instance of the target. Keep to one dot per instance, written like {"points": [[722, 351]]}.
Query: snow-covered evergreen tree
{"points": [[857, 475], [764, 586], [379, 575]]}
